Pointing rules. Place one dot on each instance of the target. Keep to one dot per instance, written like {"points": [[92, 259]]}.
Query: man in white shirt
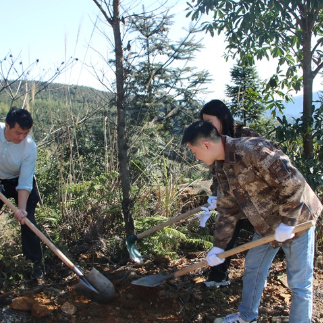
{"points": [[18, 154]]}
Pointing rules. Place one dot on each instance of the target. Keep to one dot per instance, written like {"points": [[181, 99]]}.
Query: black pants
{"points": [[31, 247], [220, 272]]}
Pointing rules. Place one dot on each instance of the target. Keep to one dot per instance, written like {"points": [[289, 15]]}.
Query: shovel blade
{"points": [[96, 287], [133, 251], [150, 281]]}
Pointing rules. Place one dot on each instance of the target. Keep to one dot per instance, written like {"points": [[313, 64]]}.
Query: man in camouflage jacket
{"points": [[257, 181]]}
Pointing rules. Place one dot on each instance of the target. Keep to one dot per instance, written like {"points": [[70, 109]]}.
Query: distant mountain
{"points": [[295, 109]]}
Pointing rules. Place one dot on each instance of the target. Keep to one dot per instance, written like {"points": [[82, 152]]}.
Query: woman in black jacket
{"points": [[220, 116]]}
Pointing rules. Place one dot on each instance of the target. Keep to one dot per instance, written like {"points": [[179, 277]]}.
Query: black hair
{"points": [[20, 116], [221, 111], [199, 130]]}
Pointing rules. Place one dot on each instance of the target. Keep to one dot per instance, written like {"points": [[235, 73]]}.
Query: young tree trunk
{"points": [[307, 90], [121, 127], [114, 21]]}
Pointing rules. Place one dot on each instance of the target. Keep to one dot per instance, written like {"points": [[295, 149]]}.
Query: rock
{"points": [[283, 279], [22, 303], [280, 319], [69, 308], [38, 311], [198, 318], [285, 297], [27, 304]]}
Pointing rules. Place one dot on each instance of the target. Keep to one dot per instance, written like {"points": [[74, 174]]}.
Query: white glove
{"points": [[204, 216], [284, 232], [212, 201], [212, 258]]}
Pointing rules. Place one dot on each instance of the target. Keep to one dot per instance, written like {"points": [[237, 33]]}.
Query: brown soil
{"points": [[181, 300]]}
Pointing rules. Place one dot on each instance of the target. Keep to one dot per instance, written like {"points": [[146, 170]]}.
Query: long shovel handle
{"points": [[170, 221], [41, 236], [298, 228]]}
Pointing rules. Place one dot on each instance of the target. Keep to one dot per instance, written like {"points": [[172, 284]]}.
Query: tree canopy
{"points": [[246, 100], [289, 31]]}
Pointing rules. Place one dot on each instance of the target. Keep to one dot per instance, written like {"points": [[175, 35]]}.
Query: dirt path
{"points": [[184, 300]]}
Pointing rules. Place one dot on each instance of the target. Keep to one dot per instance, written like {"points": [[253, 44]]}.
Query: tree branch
{"points": [[103, 11], [318, 68]]}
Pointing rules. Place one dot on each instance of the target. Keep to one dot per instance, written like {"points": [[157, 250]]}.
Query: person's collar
{"points": [[223, 139], [230, 149]]}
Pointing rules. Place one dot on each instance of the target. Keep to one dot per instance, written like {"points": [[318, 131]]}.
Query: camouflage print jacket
{"points": [[239, 131], [257, 181]]}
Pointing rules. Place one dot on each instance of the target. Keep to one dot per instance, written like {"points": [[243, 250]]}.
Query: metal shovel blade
{"points": [[151, 280], [155, 280], [133, 251], [96, 287]]}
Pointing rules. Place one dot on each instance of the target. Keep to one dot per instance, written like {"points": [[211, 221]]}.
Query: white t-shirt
{"points": [[18, 160]]}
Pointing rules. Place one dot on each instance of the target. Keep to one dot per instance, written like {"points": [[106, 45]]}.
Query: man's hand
{"points": [[284, 232], [212, 258], [212, 202], [20, 215], [204, 216]]}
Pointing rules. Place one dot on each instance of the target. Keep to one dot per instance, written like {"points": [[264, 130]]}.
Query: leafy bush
{"points": [[172, 240], [312, 168]]}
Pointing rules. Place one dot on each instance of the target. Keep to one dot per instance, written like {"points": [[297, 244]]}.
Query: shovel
{"points": [[92, 285], [131, 240], [155, 280]]}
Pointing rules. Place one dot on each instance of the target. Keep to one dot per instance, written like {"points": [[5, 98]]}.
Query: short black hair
{"points": [[221, 111], [200, 130], [20, 116]]}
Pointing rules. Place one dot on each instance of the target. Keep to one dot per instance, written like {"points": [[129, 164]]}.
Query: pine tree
{"points": [[246, 101], [162, 85]]}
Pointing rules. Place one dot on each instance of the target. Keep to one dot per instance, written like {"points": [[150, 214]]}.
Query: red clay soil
{"points": [[181, 300]]}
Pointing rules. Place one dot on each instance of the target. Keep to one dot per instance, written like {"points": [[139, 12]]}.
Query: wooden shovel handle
{"points": [[298, 228], [171, 221], [40, 235]]}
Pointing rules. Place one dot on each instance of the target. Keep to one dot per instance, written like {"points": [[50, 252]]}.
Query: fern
{"points": [[197, 244]]}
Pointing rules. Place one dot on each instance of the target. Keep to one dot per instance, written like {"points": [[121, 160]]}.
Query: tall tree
{"points": [[114, 19], [149, 89], [246, 101], [162, 85], [289, 30], [153, 85], [162, 91]]}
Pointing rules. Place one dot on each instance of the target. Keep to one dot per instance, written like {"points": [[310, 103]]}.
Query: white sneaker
{"points": [[233, 318], [212, 283]]}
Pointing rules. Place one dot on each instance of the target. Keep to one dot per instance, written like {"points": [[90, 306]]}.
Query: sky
{"points": [[54, 31]]}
